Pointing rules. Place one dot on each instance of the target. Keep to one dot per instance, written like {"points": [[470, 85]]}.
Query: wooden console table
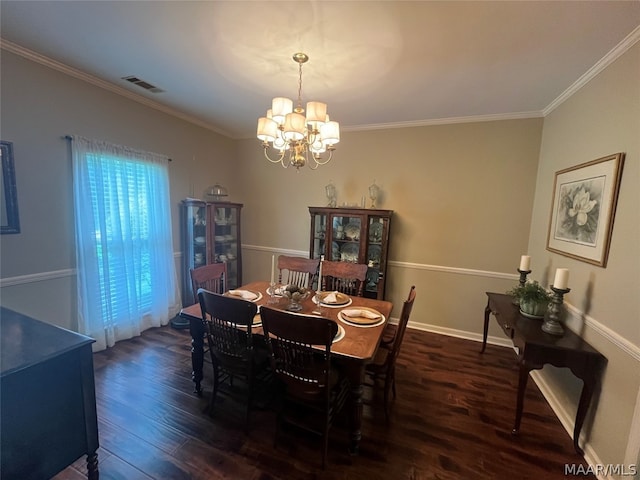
{"points": [[536, 348], [48, 399]]}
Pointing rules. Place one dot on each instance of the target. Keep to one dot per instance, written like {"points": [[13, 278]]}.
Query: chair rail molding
{"points": [[36, 277]]}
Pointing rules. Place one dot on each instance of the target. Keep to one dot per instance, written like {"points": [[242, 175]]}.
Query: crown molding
{"points": [[66, 69], [445, 121], [616, 52]]}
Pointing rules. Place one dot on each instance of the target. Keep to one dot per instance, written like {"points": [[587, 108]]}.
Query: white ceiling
{"points": [[376, 63]]}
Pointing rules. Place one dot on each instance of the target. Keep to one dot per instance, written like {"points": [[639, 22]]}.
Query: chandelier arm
{"points": [[266, 154], [312, 135], [318, 158]]}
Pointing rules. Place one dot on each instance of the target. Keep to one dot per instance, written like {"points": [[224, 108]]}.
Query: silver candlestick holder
{"points": [[523, 276], [551, 323]]}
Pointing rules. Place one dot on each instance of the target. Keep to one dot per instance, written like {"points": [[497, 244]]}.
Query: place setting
{"points": [[248, 295], [364, 317], [332, 299]]}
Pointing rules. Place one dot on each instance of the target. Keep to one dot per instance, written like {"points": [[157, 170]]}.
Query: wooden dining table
{"points": [[357, 348]]}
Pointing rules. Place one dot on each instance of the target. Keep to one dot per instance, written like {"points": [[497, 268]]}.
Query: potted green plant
{"points": [[533, 299]]}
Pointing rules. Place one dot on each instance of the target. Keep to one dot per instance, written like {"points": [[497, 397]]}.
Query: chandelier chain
{"points": [[300, 88]]}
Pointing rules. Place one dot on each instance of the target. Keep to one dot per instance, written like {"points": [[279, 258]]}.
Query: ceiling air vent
{"points": [[143, 84]]}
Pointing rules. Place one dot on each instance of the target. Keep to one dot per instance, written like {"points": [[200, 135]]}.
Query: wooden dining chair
{"points": [[344, 277], [298, 271], [313, 392], [228, 323], [383, 366], [211, 277]]}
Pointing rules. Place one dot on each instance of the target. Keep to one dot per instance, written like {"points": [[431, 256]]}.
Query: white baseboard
{"points": [[452, 332]]}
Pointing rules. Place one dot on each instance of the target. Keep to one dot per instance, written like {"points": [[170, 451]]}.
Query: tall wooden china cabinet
{"points": [[358, 235], [210, 234]]}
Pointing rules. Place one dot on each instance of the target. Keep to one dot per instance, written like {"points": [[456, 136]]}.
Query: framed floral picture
{"points": [[583, 208], [9, 219]]}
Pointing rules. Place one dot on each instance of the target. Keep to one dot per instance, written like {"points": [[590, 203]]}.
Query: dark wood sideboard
{"points": [[48, 399], [536, 348]]}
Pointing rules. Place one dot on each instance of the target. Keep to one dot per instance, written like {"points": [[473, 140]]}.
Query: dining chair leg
{"points": [[393, 380], [393, 385], [325, 447], [214, 392], [389, 385], [249, 403]]}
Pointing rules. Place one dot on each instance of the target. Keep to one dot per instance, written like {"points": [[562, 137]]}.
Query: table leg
{"points": [[355, 375], [583, 406], [196, 329], [522, 387], [487, 312]]}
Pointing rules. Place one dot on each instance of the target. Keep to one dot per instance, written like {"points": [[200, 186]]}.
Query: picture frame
{"points": [[583, 209], [9, 219]]}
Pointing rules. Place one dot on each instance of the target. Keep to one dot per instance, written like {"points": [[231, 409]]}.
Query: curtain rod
{"points": [[69, 137]]}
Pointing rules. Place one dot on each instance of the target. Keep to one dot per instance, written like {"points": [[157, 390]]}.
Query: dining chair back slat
{"points": [[345, 277], [211, 277], [298, 271]]}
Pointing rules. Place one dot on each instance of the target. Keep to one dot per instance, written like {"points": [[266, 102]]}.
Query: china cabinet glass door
{"points": [[225, 235], [377, 228], [210, 234]]}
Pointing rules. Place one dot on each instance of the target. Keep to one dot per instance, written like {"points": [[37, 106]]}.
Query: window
{"points": [[124, 254]]}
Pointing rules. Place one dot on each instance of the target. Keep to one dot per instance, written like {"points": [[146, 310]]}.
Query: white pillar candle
{"points": [[320, 273], [525, 262], [273, 268], [562, 278]]}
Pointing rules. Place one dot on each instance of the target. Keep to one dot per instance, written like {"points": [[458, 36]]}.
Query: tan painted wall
{"points": [[462, 197], [600, 119], [39, 107]]}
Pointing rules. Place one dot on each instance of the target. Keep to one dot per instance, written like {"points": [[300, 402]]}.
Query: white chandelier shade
{"points": [[305, 137]]}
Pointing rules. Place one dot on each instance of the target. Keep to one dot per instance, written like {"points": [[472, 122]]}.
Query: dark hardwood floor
{"points": [[452, 420]]}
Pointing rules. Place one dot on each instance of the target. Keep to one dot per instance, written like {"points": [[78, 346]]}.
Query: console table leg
{"points": [[522, 387], [583, 406], [487, 312]]}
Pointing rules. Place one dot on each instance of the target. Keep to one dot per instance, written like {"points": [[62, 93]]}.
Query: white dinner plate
{"points": [[259, 295], [317, 301], [340, 335], [362, 323]]}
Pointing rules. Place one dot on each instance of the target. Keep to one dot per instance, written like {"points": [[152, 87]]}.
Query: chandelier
{"points": [[309, 140]]}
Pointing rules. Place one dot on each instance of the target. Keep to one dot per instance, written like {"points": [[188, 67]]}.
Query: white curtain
{"points": [[124, 253]]}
